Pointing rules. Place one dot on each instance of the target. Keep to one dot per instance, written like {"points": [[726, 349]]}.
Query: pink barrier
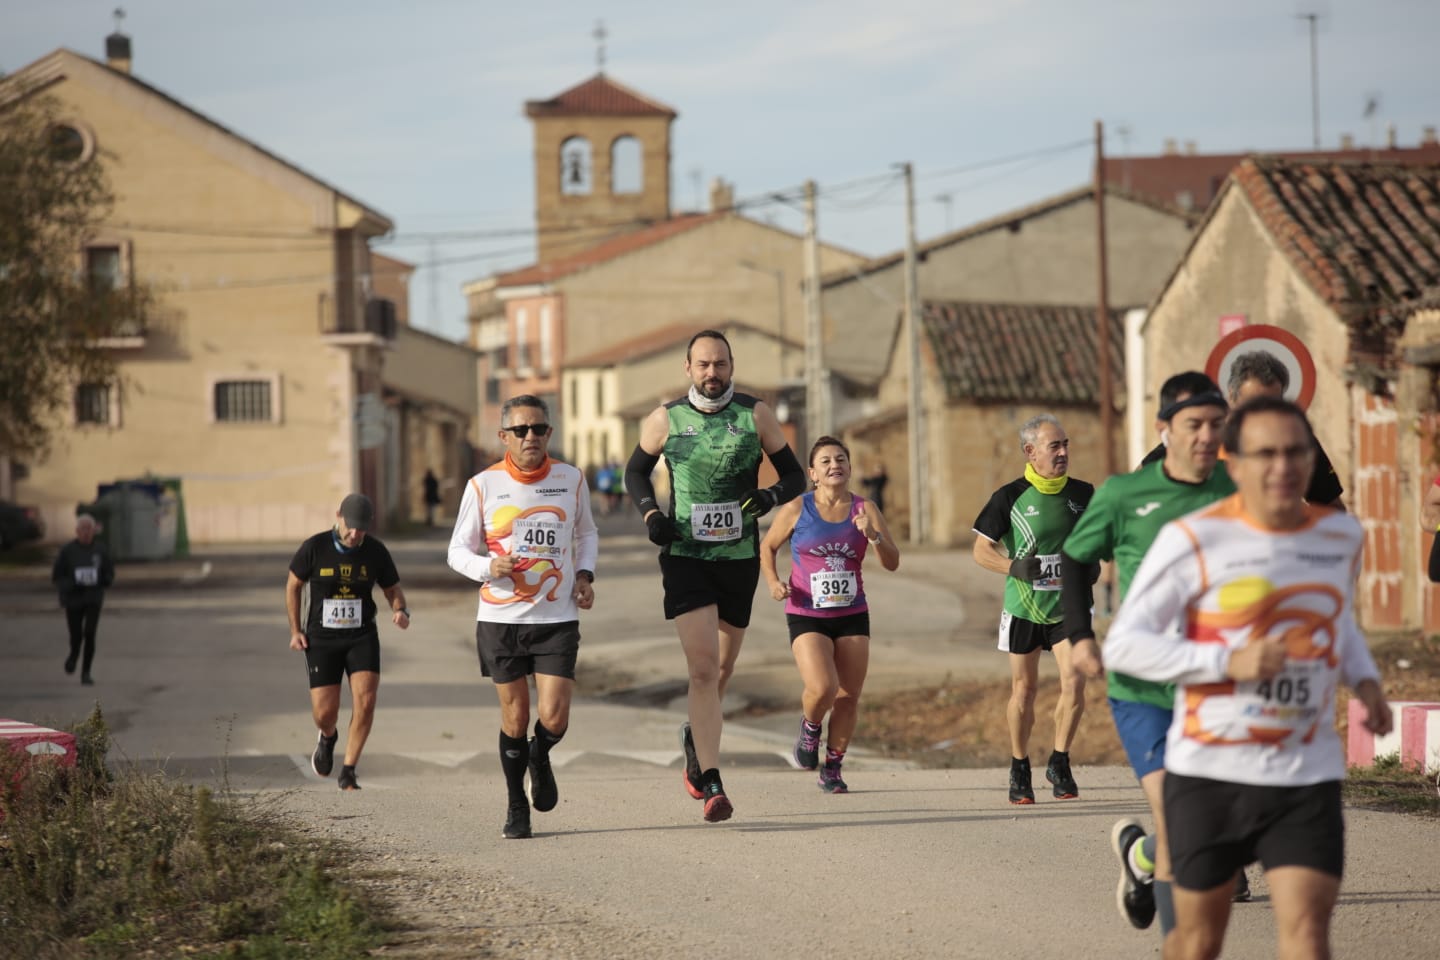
{"points": [[1420, 737], [1362, 746], [39, 741]]}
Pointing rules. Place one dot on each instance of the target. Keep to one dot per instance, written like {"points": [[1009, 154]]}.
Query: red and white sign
{"points": [[1362, 747], [1281, 343], [1420, 737], [39, 741]]}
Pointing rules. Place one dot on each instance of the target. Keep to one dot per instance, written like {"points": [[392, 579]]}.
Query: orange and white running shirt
{"points": [[1213, 581], [541, 518]]}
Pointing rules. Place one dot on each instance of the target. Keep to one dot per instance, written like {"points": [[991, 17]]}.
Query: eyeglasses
{"points": [[523, 430]]}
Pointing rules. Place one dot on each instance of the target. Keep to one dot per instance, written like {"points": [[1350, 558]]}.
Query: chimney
{"points": [[1391, 141], [1190, 148], [1347, 141], [1171, 149], [1427, 137], [722, 196], [117, 52]]}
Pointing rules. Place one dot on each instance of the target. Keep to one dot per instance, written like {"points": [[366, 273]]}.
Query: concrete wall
{"points": [[1049, 258], [694, 277]]}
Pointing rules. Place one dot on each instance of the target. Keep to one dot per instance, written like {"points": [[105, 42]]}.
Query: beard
{"points": [[714, 388]]}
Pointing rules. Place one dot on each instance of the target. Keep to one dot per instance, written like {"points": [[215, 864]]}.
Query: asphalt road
{"points": [[194, 674]]}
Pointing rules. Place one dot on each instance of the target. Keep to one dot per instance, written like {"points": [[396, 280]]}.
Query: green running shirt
{"points": [[1124, 517], [1031, 523], [713, 460]]}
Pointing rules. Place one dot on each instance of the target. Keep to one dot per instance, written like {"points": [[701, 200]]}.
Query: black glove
{"points": [[1026, 568], [661, 530], [757, 503]]}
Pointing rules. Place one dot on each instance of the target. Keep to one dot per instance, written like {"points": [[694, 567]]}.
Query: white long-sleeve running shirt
{"points": [[542, 518], [1212, 582]]}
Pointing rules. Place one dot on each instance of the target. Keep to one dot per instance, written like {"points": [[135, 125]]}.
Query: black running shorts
{"points": [[1018, 635], [329, 660], [853, 625], [691, 584], [1216, 827], [513, 651]]}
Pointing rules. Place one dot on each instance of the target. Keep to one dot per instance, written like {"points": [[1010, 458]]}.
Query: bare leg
{"points": [[700, 639], [852, 661], [514, 707], [1200, 920], [1304, 900], [1071, 705], [815, 656], [364, 685], [1020, 712]]}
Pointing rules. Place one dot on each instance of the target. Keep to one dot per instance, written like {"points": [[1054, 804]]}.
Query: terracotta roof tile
{"points": [[599, 95], [1364, 236], [604, 250], [1035, 353], [1196, 179]]}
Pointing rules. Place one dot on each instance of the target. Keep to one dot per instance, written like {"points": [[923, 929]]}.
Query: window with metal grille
{"points": [[243, 401], [103, 268], [92, 403]]}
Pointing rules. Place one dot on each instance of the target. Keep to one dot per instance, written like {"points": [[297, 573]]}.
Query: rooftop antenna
{"points": [[1314, 19], [599, 33], [945, 200], [119, 16]]}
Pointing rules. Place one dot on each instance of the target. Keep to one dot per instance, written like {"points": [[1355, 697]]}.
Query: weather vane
{"points": [[599, 34]]}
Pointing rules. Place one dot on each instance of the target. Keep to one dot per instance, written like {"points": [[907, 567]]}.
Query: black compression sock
{"points": [[1019, 763], [710, 776], [1059, 755], [514, 760], [544, 739]]}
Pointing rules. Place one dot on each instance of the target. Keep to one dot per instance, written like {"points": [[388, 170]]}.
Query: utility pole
{"points": [[1102, 311], [817, 378], [919, 494], [1314, 19], [434, 270]]}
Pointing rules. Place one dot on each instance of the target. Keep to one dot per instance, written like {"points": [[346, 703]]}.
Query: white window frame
{"points": [[126, 249], [547, 339], [273, 378], [522, 342]]}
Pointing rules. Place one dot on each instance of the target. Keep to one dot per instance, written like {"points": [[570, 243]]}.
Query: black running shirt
{"points": [[341, 582]]}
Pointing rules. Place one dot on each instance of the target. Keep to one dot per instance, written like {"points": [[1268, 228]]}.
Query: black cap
{"points": [[357, 511]]}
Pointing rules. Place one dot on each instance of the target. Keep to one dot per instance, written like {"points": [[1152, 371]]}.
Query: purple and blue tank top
{"points": [[825, 561]]}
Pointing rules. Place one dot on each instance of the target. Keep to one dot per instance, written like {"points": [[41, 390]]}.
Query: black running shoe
{"points": [[1242, 888], [70, 664], [517, 821], [691, 773], [87, 680], [717, 805], [1020, 790], [807, 748], [347, 779], [830, 780], [1134, 894], [543, 792], [322, 761], [1057, 771]]}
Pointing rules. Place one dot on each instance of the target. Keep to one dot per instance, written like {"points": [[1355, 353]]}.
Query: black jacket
{"points": [[81, 573]]}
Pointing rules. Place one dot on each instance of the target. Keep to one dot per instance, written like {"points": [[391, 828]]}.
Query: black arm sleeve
{"points": [[792, 477], [1076, 597], [637, 480], [1433, 570]]}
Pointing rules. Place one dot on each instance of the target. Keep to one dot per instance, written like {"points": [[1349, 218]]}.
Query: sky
{"points": [[417, 109]]}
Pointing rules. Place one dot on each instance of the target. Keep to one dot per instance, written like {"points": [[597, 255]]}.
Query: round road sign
{"points": [[1280, 343]]}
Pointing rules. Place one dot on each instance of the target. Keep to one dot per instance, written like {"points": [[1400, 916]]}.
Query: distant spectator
{"points": [[607, 479], [874, 482], [432, 497], [82, 572]]}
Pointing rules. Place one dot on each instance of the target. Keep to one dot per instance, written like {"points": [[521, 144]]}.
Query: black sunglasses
{"points": [[523, 430]]}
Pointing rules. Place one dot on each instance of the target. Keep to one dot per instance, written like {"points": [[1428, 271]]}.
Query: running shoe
{"points": [[830, 780], [691, 773], [322, 761], [70, 663], [1134, 894], [542, 779], [517, 821], [347, 779], [807, 748], [717, 805], [1242, 888], [1020, 790], [87, 680], [1057, 771]]}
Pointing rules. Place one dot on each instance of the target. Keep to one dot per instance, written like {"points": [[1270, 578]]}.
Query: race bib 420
{"points": [[715, 522]]}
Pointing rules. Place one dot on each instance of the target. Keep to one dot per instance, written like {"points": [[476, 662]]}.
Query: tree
{"points": [[54, 316]]}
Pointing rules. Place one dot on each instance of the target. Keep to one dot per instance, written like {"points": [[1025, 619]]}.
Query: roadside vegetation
{"points": [[95, 864], [962, 724]]}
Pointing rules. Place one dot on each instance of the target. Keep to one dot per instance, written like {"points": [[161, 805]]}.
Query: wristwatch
{"points": [[587, 574]]}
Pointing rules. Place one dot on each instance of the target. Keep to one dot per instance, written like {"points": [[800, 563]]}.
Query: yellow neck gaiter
{"points": [[1044, 484]]}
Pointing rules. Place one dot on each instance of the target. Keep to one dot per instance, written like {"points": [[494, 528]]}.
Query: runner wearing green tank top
{"points": [[1120, 524], [712, 440]]}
